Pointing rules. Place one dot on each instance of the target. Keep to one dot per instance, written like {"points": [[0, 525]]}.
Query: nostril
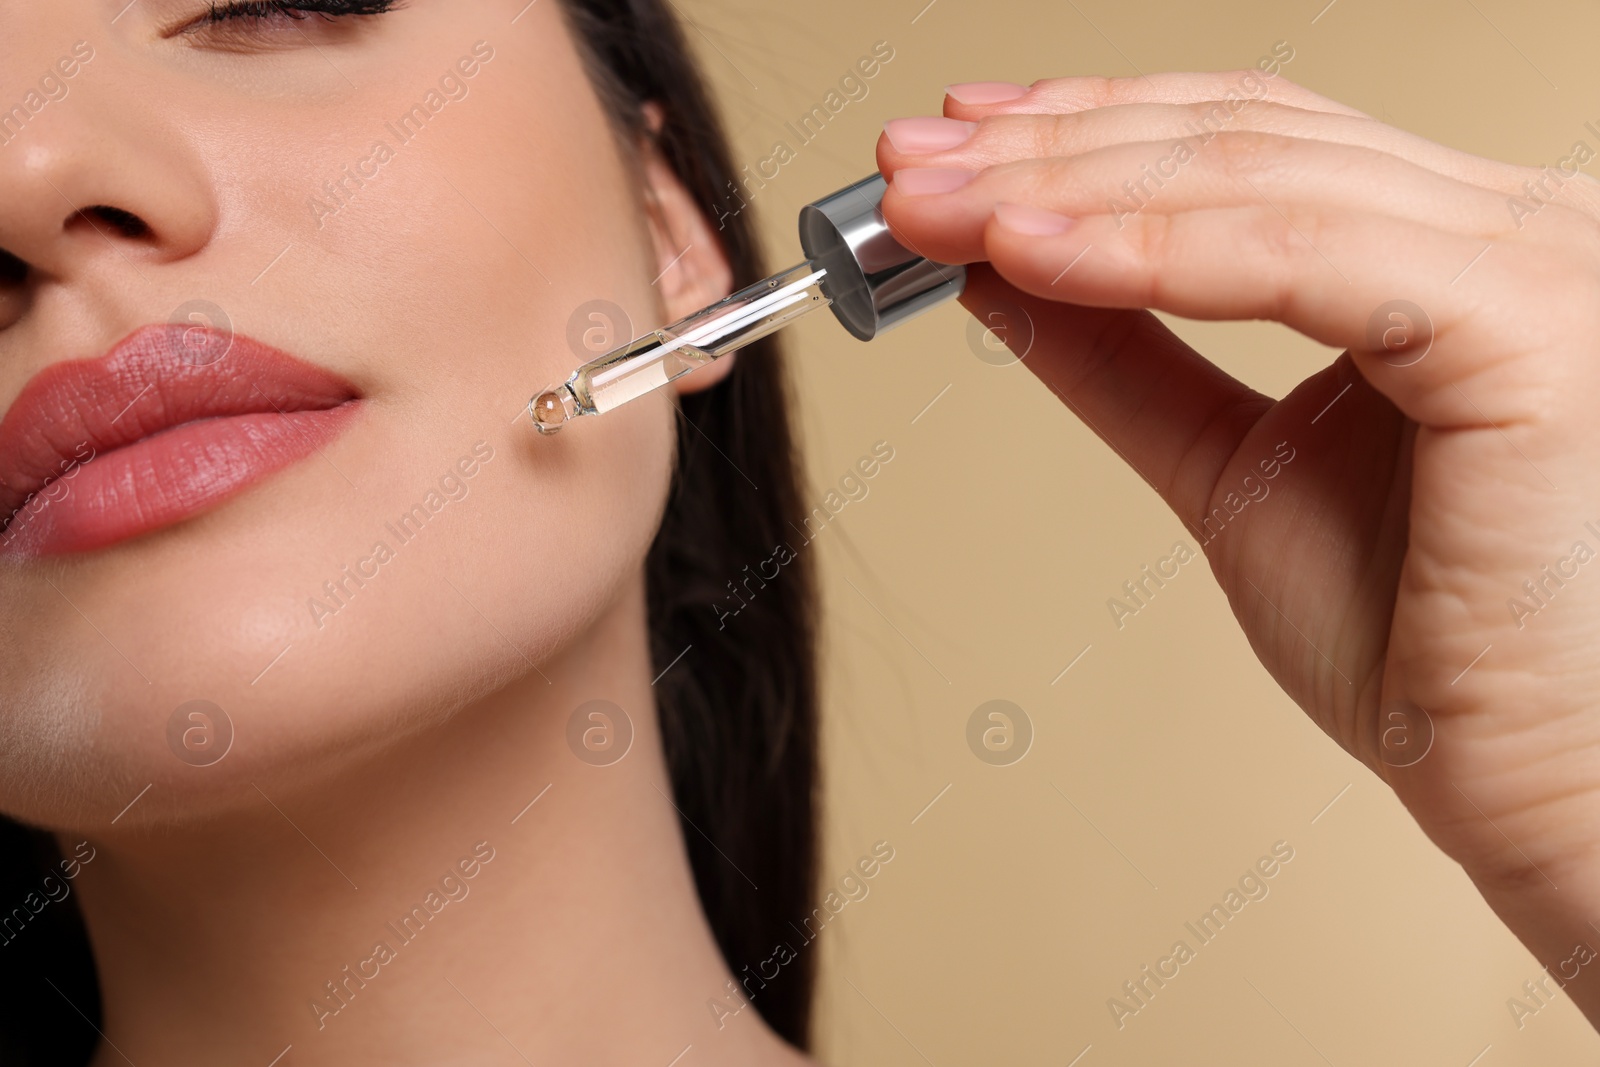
{"points": [[13, 271], [124, 222]]}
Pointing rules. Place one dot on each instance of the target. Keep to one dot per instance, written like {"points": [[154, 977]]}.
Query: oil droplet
{"points": [[548, 412]]}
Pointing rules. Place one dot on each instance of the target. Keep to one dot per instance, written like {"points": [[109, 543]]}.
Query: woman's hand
{"points": [[1424, 579]]}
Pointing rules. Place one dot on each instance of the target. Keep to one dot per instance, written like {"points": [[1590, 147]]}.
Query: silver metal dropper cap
{"points": [[873, 281]]}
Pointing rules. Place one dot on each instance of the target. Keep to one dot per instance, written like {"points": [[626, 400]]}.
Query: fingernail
{"points": [[985, 92], [1031, 221], [926, 181], [927, 134]]}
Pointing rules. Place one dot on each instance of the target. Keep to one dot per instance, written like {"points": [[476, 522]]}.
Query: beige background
{"points": [[980, 564]]}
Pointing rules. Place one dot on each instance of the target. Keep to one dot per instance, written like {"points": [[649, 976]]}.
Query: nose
{"points": [[99, 178]]}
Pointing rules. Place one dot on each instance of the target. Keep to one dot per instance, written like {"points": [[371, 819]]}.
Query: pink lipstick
{"points": [[171, 422]]}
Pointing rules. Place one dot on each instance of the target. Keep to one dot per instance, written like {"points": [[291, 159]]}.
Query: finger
{"points": [[1231, 170], [1003, 136], [1173, 416], [1328, 274], [1084, 93]]}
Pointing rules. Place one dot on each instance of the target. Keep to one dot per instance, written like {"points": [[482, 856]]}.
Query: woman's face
{"points": [[319, 266]]}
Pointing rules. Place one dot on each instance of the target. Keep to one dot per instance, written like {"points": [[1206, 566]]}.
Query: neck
{"points": [[475, 893]]}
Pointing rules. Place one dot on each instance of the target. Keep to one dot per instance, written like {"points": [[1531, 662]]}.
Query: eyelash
{"points": [[294, 9]]}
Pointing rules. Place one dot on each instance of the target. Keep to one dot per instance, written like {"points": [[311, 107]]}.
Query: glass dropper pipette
{"points": [[854, 266], [647, 363]]}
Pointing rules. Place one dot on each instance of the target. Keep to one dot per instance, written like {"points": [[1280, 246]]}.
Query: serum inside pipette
{"points": [[647, 363]]}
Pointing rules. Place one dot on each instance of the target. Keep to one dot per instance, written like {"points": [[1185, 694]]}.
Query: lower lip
{"points": [[165, 479]]}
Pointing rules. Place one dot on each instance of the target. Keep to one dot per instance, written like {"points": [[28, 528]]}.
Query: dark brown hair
{"points": [[738, 713]]}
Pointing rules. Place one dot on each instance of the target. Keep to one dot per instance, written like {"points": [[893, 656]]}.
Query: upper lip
{"points": [[158, 377]]}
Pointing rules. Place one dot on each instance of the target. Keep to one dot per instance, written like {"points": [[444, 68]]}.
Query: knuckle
{"points": [[1286, 243], [1211, 116], [1244, 83], [1155, 242], [1053, 135], [1243, 154], [1008, 138], [1302, 233], [1081, 92], [1106, 91]]}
